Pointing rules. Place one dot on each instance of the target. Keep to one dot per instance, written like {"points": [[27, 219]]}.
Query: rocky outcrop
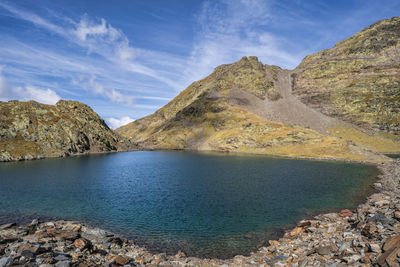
{"points": [[367, 236], [30, 130]]}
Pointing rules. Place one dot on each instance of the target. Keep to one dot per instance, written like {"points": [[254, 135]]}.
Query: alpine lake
{"points": [[204, 204]]}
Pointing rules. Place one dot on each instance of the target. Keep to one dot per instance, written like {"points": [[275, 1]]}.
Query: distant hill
{"points": [[340, 103], [30, 130]]}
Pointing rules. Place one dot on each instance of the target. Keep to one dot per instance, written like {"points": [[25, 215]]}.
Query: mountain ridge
{"points": [[270, 95], [341, 103]]}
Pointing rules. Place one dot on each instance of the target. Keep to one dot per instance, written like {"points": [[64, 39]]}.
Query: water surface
{"points": [[207, 205]]}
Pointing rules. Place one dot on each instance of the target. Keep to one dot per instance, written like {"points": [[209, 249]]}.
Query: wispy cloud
{"points": [[91, 84], [28, 92], [87, 58], [115, 123], [98, 38], [228, 30]]}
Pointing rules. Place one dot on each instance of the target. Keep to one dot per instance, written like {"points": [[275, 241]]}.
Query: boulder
{"points": [[389, 258], [122, 260], [63, 264], [82, 243], [345, 213], [392, 242], [67, 235], [369, 230], [323, 250], [7, 226], [296, 231]]}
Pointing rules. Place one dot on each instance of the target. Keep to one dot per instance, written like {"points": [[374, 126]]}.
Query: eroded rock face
{"points": [[358, 80], [30, 130]]}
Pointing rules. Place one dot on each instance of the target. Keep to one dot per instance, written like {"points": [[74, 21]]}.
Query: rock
{"points": [[304, 224], [122, 260], [61, 257], [33, 249], [273, 242], [82, 243], [180, 254], [345, 213], [50, 260], [379, 218], [369, 230], [5, 261], [352, 259], [27, 254], [373, 247], [392, 242], [63, 264], [67, 235], [296, 231], [389, 258], [7, 226], [366, 259], [382, 203], [277, 258], [51, 231], [323, 250], [116, 241]]}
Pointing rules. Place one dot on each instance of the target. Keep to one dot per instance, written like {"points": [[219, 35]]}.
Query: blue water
{"points": [[207, 205]]}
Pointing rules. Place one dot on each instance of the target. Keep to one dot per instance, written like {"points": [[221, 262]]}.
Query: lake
{"points": [[205, 204]]}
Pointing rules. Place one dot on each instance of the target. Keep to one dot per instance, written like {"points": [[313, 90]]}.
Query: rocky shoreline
{"points": [[367, 236]]}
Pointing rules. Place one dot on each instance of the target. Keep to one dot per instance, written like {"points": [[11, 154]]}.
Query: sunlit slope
{"points": [[212, 114], [358, 80]]}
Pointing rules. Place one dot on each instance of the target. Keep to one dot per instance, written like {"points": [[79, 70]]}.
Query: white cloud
{"points": [[116, 123], [111, 94], [230, 29], [85, 28], [46, 96]]}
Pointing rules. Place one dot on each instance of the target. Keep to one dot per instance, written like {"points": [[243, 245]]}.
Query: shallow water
{"points": [[207, 205]]}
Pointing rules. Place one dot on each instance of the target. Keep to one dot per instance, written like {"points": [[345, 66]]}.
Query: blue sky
{"points": [[127, 58]]}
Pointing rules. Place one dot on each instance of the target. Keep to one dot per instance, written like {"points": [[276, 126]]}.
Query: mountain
{"points": [[358, 80], [341, 103], [30, 130]]}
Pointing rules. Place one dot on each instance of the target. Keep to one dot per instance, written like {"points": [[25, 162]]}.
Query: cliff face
{"points": [[358, 80], [31, 130], [339, 103]]}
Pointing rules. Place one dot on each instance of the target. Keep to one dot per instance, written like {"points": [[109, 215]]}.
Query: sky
{"points": [[128, 58]]}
